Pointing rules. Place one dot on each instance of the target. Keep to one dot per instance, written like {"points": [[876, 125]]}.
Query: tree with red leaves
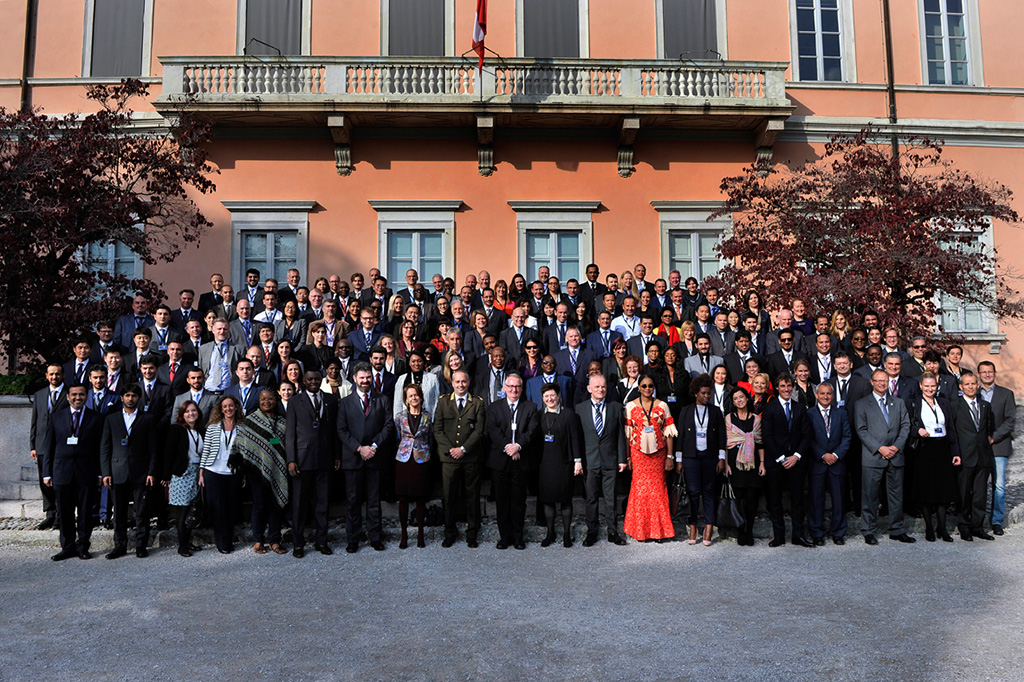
{"points": [[73, 181], [858, 229]]}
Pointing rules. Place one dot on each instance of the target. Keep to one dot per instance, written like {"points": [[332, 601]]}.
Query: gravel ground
{"points": [[643, 611]]}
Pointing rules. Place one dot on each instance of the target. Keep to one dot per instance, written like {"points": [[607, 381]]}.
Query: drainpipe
{"points": [[891, 84], [29, 56]]}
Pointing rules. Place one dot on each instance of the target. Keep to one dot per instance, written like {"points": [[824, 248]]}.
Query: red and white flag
{"points": [[480, 30]]}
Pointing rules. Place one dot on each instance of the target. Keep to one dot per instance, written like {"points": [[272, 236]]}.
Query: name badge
{"points": [[501, 394], [671, 399], [514, 425], [124, 441], [162, 346], [648, 429], [316, 425], [275, 441], [702, 434], [549, 438], [939, 430], [72, 440], [146, 408]]}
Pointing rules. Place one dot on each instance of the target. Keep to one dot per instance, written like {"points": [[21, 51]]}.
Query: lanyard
{"points": [[933, 410], [195, 441], [227, 439], [647, 413], [696, 414]]}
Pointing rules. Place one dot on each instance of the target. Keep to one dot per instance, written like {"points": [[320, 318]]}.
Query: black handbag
{"points": [[729, 514], [679, 503], [194, 515]]}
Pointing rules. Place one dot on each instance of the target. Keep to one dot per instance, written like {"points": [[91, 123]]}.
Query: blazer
{"points": [[915, 409], [79, 463], [782, 439], [124, 329], [512, 346], [1004, 411], [694, 367], [180, 382], [497, 321], [856, 388], [837, 440], [73, 377], [207, 300], [129, 457], [812, 360], [178, 320], [595, 342], [228, 312], [309, 442], [566, 435], [360, 351], [155, 343], [106, 405], [975, 449], [431, 393], [771, 341], [411, 445], [636, 346], [356, 428], [38, 430], [297, 336], [159, 403], [206, 358], [175, 456], [874, 432], [252, 398], [97, 354], [191, 350], [607, 450], [687, 427], [734, 365], [499, 428], [239, 338], [563, 364], [533, 386], [466, 428], [719, 346], [206, 402], [777, 363]]}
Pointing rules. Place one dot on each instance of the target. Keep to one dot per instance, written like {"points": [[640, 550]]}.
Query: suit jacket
{"points": [[694, 367], [206, 402], [777, 363], [975, 449], [466, 429], [285, 294], [107, 404], [356, 428], [595, 342], [40, 424], [563, 365], [813, 359], [481, 382], [252, 398], [174, 461], [97, 354], [207, 300], [191, 350], [497, 321], [499, 428], [771, 341], [512, 346], [159, 403], [636, 346], [227, 312], [129, 457], [719, 346], [180, 382], [915, 409], [608, 450], [124, 329], [687, 428], [178, 320], [431, 393], [592, 294], [836, 440], [856, 388], [298, 333], [734, 365], [874, 432], [206, 357], [309, 441], [155, 343], [1004, 412], [73, 463], [239, 338], [533, 386], [551, 339], [74, 378], [360, 351], [782, 439], [809, 345]]}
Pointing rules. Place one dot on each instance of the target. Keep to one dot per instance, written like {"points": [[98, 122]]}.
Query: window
{"points": [[118, 38], [274, 27], [271, 236], [945, 42], [958, 316], [551, 28], [688, 240], [690, 29], [114, 258], [558, 234], [819, 40], [415, 28], [560, 251], [418, 235]]}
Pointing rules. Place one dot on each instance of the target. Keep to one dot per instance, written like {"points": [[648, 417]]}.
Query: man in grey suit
{"points": [[217, 358], [1004, 411], [197, 394], [702, 362], [604, 440], [883, 425], [45, 402]]}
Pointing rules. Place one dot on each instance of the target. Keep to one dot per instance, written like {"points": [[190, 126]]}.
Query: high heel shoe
{"points": [[404, 542], [707, 536], [693, 536], [420, 542], [548, 539]]}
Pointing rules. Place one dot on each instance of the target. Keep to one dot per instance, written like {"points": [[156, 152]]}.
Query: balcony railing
{"points": [[452, 80]]}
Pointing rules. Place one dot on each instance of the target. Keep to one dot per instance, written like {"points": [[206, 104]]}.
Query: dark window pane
{"points": [[932, 25], [805, 20], [931, 5], [829, 4], [806, 44], [808, 69], [691, 29], [954, 6], [416, 28], [117, 38], [833, 69], [933, 48], [551, 28], [830, 22], [274, 22], [830, 45], [936, 73]]}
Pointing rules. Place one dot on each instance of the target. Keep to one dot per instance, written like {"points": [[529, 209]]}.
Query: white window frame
{"points": [[268, 216], [557, 216], [848, 43], [722, 27], [584, 14], [989, 322], [305, 36], [449, 28], [147, 39], [692, 217], [417, 216], [137, 263], [975, 67]]}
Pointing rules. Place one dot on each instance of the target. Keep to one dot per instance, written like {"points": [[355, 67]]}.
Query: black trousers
{"points": [[700, 485], [266, 515], [49, 493], [468, 475], [363, 486], [179, 513], [309, 489], [122, 494], [602, 482], [780, 480], [72, 498], [749, 498], [973, 483], [510, 501], [222, 494]]}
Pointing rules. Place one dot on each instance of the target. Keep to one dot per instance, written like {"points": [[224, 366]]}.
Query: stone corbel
{"points": [[485, 145], [341, 131], [764, 141], [627, 136]]}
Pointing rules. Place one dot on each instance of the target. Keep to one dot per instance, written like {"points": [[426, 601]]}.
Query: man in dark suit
{"points": [[311, 449], [246, 390], [780, 361], [512, 424], [209, 299], [102, 400], [771, 341], [408, 294], [735, 362], [591, 290], [848, 388], [883, 425], [899, 386], [573, 361], [366, 429], [786, 431], [514, 339], [548, 375], [972, 420], [604, 446], [830, 426], [722, 337], [497, 320], [71, 465], [366, 337], [156, 396], [637, 345], [45, 402], [822, 359], [289, 291], [197, 394], [1004, 412], [553, 337], [128, 461], [599, 342], [76, 370], [873, 358], [161, 330], [141, 341], [126, 325], [225, 310], [376, 292], [489, 383], [460, 427], [105, 342], [175, 372], [382, 380], [117, 377], [185, 311]]}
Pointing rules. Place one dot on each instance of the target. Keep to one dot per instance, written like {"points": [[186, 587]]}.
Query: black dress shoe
{"points": [[223, 551], [377, 545], [324, 549], [803, 542], [46, 523], [520, 545], [838, 540], [966, 536], [566, 541], [141, 552], [501, 545], [184, 551], [870, 539], [108, 524], [117, 553], [616, 539], [352, 548], [819, 542], [64, 554], [472, 544], [903, 537], [983, 535], [299, 552], [590, 540], [84, 554], [946, 537], [448, 542], [997, 529], [548, 539], [777, 542]]}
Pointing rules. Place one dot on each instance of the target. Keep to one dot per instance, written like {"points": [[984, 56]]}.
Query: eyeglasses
{"points": [[919, 347], [531, 348], [646, 385], [547, 362]]}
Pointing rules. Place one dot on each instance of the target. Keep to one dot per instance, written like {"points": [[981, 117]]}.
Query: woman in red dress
{"points": [[650, 431]]}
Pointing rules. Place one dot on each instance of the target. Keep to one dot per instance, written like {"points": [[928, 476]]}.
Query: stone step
{"points": [[29, 472], [20, 490], [21, 509]]}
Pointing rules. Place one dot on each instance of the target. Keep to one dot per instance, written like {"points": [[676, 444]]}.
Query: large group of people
{"points": [[614, 390]]}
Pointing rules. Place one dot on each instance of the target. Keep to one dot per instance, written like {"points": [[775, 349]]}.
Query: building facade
{"points": [[360, 133]]}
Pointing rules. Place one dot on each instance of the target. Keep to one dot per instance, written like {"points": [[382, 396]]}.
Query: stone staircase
{"points": [[22, 499]]}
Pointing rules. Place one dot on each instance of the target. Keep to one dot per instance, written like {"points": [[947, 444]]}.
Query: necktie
{"points": [[785, 406], [572, 361], [53, 401], [892, 386], [245, 395], [247, 327], [885, 412], [80, 371], [599, 418], [828, 423], [163, 336], [704, 362], [111, 380], [138, 321], [842, 390], [366, 404], [377, 382], [561, 335], [974, 414], [604, 336], [266, 355], [149, 392], [316, 405], [75, 419], [174, 368], [462, 403], [367, 335]]}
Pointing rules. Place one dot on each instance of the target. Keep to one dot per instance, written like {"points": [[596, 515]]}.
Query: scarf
{"points": [[253, 447], [744, 440]]}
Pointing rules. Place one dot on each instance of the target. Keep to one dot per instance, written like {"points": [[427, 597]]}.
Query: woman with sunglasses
{"points": [[650, 432], [529, 366]]}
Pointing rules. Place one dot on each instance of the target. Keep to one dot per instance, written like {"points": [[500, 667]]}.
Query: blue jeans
{"points": [[999, 494]]}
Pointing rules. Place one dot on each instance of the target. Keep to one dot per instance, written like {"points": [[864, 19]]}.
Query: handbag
{"points": [[728, 512], [679, 503], [196, 510]]}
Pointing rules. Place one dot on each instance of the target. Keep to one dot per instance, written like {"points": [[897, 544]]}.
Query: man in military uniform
{"points": [[459, 427]]}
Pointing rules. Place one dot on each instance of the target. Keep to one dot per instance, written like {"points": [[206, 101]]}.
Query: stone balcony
{"points": [[623, 96]]}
